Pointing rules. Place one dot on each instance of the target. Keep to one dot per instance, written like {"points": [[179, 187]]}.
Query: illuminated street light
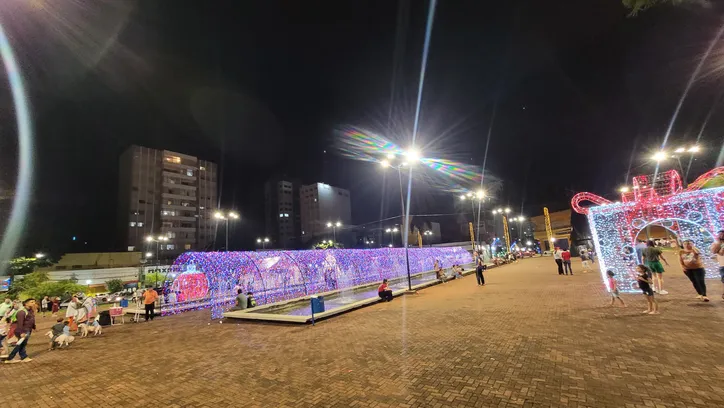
{"points": [[385, 163], [624, 189], [391, 156], [334, 227], [462, 197], [149, 254], [659, 156], [528, 243], [39, 255], [680, 150], [693, 149], [263, 242], [221, 215], [149, 238], [413, 155], [480, 194]]}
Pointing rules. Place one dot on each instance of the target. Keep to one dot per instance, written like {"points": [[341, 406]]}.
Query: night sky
{"points": [[584, 94]]}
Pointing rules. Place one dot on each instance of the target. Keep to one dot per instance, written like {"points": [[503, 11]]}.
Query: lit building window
{"points": [[202, 168], [187, 246], [281, 215], [173, 159], [132, 223], [170, 246], [189, 172], [140, 224]]}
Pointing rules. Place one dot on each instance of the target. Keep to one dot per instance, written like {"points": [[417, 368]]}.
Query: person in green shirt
{"points": [[652, 258]]}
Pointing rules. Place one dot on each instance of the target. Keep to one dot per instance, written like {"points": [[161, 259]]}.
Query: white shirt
{"points": [[557, 254]]}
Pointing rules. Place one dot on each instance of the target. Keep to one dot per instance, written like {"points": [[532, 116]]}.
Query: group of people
{"points": [[243, 301], [650, 273], [562, 257]]}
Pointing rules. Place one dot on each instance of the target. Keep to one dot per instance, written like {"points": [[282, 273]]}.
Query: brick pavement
{"points": [[530, 338]]}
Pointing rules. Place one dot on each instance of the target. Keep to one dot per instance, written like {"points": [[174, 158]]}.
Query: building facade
{"points": [[282, 213], [166, 194], [320, 204], [561, 229]]}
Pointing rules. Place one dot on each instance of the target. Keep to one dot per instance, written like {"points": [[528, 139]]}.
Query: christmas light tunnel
{"points": [[691, 213], [211, 279]]}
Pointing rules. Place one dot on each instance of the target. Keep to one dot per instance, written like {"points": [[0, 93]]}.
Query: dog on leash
{"points": [[83, 330]]}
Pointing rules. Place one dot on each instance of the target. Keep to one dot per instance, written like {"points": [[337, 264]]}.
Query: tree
{"points": [[62, 289], [114, 285], [637, 6], [23, 265], [28, 281]]}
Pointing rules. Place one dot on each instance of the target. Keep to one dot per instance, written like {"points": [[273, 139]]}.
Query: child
{"points": [[56, 331], [94, 326], [644, 280], [65, 338], [251, 302], [614, 289]]}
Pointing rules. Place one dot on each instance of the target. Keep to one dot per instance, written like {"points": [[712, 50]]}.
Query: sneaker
{"points": [[706, 299], [663, 292], [26, 360], [11, 361]]}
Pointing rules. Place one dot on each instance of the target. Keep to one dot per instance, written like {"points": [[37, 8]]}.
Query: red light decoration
{"points": [[655, 200]]}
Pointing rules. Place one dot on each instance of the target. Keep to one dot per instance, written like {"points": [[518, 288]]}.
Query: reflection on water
{"points": [[303, 307]]}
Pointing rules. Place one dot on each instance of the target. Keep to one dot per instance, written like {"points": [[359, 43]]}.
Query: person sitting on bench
{"points": [[384, 292], [241, 301]]}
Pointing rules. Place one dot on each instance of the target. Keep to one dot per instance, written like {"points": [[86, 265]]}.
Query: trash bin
{"points": [[317, 304], [124, 302]]}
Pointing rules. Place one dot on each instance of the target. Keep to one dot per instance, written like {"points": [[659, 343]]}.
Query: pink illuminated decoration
{"points": [[661, 200], [211, 279]]}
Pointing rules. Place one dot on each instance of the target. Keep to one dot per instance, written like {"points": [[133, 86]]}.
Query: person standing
{"points": [[71, 313], [558, 257], [644, 281], [44, 304], [717, 248], [690, 260], [56, 306], [25, 326], [640, 248], [479, 268], [566, 257], [653, 257], [149, 302]]}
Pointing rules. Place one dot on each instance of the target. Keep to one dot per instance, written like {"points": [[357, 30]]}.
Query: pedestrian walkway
{"points": [[529, 338]]}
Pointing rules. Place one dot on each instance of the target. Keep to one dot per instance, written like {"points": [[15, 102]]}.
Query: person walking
{"points": [[653, 257], [5, 307], [566, 257], [558, 257], [690, 260], [149, 302], [644, 281], [613, 288], [25, 326], [717, 248]]}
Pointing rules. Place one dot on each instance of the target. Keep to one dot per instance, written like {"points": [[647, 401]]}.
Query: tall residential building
{"points": [[167, 194], [282, 214], [320, 204]]}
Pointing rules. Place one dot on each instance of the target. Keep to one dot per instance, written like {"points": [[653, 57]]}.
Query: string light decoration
{"points": [[506, 234], [275, 276], [654, 200], [549, 230]]}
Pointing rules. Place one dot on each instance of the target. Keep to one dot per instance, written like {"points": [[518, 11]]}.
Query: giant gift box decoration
{"points": [[691, 213]]}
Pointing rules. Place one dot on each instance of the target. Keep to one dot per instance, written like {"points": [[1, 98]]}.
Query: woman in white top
{"points": [[72, 313]]}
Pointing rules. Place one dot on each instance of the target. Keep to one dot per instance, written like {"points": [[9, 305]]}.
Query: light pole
{"points": [[428, 234], [263, 242], [662, 155], [157, 240], [506, 233], [411, 156], [220, 215], [480, 197], [334, 227], [520, 220], [392, 238]]}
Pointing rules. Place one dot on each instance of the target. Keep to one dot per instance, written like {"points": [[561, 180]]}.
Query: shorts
{"points": [[647, 290], [721, 273], [655, 266], [614, 294]]}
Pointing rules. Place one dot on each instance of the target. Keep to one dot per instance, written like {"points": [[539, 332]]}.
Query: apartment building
{"points": [[167, 195]]}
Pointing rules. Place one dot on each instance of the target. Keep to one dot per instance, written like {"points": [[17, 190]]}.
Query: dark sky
{"points": [[583, 95]]}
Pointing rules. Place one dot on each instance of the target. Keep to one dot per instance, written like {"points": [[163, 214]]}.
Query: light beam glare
{"points": [[13, 233]]}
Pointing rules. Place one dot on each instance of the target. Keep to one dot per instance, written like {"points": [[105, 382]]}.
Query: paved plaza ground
{"points": [[530, 338]]}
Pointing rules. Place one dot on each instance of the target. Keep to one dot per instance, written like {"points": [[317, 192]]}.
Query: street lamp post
{"points": [[506, 233], [220, 215], [263, 242], [428, 234], [392, 238], [662, 155], [479, 196], [334, 227], [157, 240]]}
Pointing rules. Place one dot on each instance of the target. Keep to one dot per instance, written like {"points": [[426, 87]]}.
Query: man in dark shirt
{"points": [[57, 330], [25, 325]]}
